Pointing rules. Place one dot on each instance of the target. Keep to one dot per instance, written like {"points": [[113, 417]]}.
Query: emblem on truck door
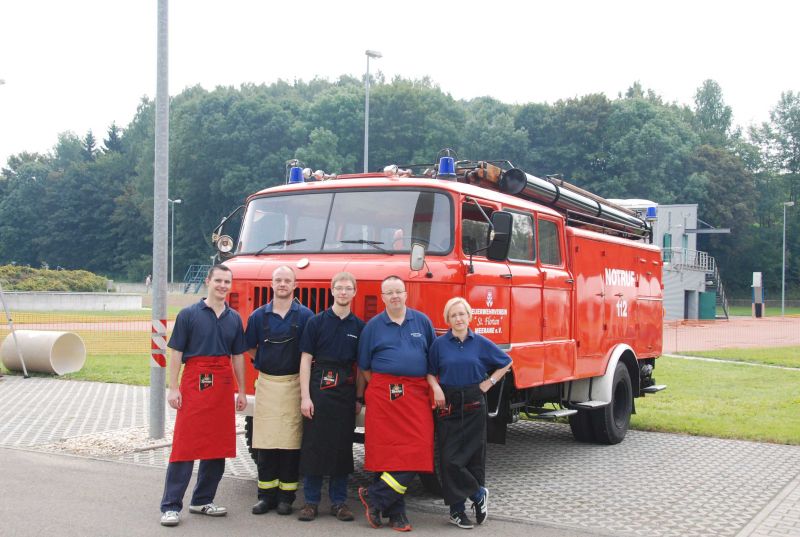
{"points": [[489, 299]]}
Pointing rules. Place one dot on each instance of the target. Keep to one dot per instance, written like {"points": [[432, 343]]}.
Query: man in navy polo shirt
{"points": [[393, 356], [273, 336], [205, 336], [329, 402]]}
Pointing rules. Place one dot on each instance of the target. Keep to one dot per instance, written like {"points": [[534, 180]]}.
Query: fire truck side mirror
{"points": [[417, 256], [500, 236]]}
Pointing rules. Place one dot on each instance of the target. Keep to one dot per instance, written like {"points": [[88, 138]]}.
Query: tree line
{"points": [[88, 203]]}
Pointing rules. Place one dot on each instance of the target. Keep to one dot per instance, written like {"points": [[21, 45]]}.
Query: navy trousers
{"points": [[388, 499], [209, 475]]}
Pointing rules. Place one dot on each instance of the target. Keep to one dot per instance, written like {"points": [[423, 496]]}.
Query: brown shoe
{"points": [[308, 512], [342, 512]]}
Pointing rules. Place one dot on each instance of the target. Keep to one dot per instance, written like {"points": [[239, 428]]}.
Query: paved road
{"points": [[46, 494], [652, 484]]}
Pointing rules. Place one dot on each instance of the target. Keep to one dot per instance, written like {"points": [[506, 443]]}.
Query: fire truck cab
{"points": [[565, 282]]}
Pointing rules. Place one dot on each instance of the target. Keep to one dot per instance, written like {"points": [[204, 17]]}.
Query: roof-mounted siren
{"points": [[651, 215], [447, 165], [589, 208], [295, 175]]}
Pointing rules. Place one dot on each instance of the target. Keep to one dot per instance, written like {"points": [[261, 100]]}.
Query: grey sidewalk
{"points": [[651, 484]]}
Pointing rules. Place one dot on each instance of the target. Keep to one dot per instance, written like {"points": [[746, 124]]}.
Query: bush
{"points": [[16, 278]]}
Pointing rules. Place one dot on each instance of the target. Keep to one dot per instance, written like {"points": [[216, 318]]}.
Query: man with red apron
{"points": [[273, 337], [204, 338], [393, 356], [328, 400]]}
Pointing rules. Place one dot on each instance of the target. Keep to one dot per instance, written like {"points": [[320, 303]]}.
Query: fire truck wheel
{"points": [[248, 436], [611, 422], [581, 425]]}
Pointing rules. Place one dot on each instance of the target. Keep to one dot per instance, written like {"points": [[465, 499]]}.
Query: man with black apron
{"points": [[328, 390], [273, 337], [205, 336], [393, 357]]}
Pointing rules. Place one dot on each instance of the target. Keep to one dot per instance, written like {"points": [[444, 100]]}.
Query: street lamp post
{"points": [[172, 239], [370, 54], [783, 265]]}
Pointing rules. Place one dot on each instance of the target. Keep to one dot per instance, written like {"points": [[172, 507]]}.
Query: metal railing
{"points": [[690, 259]]}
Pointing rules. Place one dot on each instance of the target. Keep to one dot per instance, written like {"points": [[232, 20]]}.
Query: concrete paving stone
{"points": [[652, 484]]}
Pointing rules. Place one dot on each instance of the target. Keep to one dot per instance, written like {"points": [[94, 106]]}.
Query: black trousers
{"points": [[278, 475]]}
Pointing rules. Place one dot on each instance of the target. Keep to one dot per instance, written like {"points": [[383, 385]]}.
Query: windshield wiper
{"points": [[282, 242], [374, 244]]}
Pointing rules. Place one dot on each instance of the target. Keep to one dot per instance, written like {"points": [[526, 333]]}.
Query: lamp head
{"points": [[373, 54]]}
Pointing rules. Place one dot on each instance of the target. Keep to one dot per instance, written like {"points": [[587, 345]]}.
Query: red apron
{"points": [[205, 426], [399, 425]]}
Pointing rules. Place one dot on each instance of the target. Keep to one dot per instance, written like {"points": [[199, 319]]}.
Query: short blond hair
{"points": [[344, 276], [454, 302]]}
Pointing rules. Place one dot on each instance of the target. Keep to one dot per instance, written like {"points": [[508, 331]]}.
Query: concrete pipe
{"points": [[44, 351]]}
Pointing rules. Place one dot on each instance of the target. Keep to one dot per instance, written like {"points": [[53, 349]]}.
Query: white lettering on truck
{"points": [[620, 278]]}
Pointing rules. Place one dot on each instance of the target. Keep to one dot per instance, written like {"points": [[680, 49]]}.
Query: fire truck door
{"points": [[488, 283], [557, 288]]}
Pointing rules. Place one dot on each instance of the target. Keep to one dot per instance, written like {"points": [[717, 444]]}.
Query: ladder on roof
{"points": [[195, 275]]}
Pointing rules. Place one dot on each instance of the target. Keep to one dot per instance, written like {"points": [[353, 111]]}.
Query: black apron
{"points": [[328, 438], [461, 438]]}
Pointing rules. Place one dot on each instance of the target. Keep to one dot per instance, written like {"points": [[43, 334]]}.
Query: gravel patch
{"points": [[112, 444]]}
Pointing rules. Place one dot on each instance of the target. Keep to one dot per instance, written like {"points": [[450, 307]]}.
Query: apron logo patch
{"points": [[206, 381], [395, 391], [330, 378]]}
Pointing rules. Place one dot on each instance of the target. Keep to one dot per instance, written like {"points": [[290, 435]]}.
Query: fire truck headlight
{"points": [[225, 244]]}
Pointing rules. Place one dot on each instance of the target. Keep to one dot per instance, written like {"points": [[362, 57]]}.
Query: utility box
{"points": [[708, 305]]}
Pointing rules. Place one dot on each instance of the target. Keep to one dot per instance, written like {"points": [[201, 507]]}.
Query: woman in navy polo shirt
{"points": [[467, 365]]}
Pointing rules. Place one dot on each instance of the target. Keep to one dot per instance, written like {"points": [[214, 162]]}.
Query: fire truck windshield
{"points": [[364, 221]]}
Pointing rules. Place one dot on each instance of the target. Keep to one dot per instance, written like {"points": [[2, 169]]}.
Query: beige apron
{"points": [[277, 421]]}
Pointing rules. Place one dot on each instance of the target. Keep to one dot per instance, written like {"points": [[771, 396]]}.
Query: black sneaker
{"points": [[373, 515], [461, 520], [481, 507], [400, 522]]}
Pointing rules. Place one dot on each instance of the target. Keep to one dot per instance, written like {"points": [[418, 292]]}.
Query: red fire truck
{"points": [[566, 282]]}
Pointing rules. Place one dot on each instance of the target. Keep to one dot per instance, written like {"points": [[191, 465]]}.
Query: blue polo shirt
{"points": [[326, 336], [199, 332], [464, 363], [279, 328], [396, 349]]}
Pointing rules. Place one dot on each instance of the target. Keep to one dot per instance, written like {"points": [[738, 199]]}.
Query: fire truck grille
{"points": [[316, 299]]}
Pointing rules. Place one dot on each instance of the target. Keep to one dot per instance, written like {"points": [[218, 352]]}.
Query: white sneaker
{"points": [[210, 509], [170, 518]]}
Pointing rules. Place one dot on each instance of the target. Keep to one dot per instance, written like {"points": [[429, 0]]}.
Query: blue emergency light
{"points": [[447, 168], [652, 213], [295, 175]]}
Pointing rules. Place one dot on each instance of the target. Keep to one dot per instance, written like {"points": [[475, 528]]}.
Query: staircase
{"points": [[195, 275], [713, 281]]}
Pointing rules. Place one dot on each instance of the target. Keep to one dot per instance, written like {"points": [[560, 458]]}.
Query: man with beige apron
{"points": [[273, 337], [205, 336]]}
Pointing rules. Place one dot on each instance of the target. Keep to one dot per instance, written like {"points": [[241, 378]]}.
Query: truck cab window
{"points": [[474, 228], [523, 245], [549, 245]]}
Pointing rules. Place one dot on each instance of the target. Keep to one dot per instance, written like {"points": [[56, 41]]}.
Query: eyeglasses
{"points": [[347, 290], [394, 293]]}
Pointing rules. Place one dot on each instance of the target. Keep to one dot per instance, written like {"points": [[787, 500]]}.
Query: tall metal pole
{"points": [[366, 120], [160, 195], [783, 265], [370, 54]]}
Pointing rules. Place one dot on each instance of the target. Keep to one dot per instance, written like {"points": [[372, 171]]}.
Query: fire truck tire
{"points": [[248, 437], [610, 423], [581, 425]]}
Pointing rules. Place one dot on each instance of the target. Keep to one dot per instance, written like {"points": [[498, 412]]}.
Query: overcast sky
{"points": [[75, 65]]}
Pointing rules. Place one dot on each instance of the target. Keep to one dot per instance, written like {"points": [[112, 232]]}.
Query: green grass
{"points": [[747, 311], [144, 314], [783, 356], [121, 369], [723, 400]]}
